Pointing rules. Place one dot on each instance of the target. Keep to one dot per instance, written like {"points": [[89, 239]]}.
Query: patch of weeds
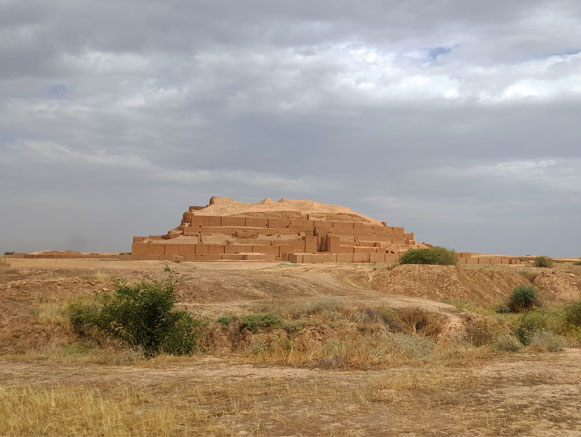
{"points": [[294, 326], [260, 346], [4, 263], [507, 343], [481, 332], [464, 306], [529, 325], [529, 275], [543, 261], [414, 346], [254, 322], [502, 309], [524, 298], [577, 263], [546, 341], [225, 320], [573, 314], [335, 356], [167, 269]]}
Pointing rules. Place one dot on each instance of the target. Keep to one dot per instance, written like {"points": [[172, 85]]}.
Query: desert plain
{"points": [[357, 349]]}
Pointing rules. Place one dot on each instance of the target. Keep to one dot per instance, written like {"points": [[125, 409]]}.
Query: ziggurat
{"points": [[288, 230]]}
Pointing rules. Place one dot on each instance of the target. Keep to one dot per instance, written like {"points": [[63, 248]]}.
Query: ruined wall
{"points": [[216, 238], [298, 239]]}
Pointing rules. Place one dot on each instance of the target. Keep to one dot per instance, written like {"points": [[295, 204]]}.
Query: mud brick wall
{"points": [[290, 239]]}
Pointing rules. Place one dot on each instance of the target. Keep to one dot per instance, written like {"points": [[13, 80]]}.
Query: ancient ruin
{"points": [[288, 230]]}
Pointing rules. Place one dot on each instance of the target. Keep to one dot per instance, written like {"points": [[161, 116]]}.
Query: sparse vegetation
{"points": [[507, 343], [4, 263], [545, 340], [573, 314], [577, 263], [529, 325], [141, 316], [432, 255], [543, 261], [523, 298], [9, 253], [254, 322]]}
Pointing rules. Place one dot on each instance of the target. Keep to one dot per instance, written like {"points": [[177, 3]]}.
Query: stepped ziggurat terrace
{"points": [[300, 231]]}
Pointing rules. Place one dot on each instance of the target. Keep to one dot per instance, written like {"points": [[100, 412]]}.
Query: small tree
{"points": [[433, 255], [543, 261], [523, 298]]}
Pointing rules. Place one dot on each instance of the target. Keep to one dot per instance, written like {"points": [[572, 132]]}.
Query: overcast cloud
{"points": [[459, 120]]}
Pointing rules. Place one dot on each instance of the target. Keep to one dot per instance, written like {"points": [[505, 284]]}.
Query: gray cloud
{"points": [[455, 119]]}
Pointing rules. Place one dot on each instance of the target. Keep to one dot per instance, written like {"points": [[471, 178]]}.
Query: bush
{"points": [[254, 322], [529, 325], [543, 261], [523, 298], [141, 316], [577, 263], [8, 253], [506, 343], [225, 320], [573, 314], [432, 255], [546, 341]]}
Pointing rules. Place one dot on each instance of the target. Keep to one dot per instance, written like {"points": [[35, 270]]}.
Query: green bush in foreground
{"points": [[523, 298], [433, 255], [141, 316], [543, 261]]}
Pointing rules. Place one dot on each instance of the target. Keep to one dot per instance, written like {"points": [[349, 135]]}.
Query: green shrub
{"points": [[433, 255], [254, 322], [523, 298], [529, 325], [543, 261], [225, 320], [573, 314], [502, 309], [141, 316], [8, 253], [546, 341], [577, 263]]}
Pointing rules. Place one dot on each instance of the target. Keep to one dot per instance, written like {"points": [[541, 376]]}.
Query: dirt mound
{"points": [[558, 286], [483, 287], [284, 208]]}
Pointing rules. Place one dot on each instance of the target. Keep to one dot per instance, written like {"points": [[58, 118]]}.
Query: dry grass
{"points": [[222, 407], [4, 263]]}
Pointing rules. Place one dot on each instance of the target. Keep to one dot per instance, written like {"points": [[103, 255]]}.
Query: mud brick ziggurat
{"points": [[288, 230]]}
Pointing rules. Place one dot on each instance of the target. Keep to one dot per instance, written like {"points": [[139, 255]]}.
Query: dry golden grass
{"points": [[221, 407]]}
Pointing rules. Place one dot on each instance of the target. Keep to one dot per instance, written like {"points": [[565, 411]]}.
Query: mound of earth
{"points": [[479, 286], [284, 208]]}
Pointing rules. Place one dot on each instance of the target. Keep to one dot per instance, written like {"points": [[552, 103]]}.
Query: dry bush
{"points": [[419, 321], [546, 341]]}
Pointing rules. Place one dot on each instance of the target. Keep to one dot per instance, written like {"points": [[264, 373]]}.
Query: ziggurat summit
{"points": [[299, 231]]}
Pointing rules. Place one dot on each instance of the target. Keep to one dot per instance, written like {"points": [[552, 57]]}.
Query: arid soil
{"points": [[221, 394]]}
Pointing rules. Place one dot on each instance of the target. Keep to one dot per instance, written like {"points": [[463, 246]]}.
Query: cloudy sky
{"points": [[459, 120]]}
